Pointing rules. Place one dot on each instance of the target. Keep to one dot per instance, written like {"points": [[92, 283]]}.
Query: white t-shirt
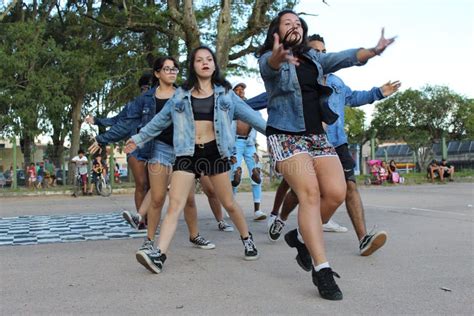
{"points": [[81, 164]]}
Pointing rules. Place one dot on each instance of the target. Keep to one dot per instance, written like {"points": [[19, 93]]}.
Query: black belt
{"points": [[212, 143], [242, 137]]}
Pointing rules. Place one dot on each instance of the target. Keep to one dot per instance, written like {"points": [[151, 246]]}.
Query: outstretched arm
{"points": [[364, 54], [358, 98]]}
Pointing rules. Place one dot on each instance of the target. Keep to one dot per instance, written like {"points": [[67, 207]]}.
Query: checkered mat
{"points": [[33, 230]]}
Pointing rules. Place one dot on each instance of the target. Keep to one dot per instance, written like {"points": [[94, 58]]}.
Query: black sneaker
{"points": [[251, 252], [150, 258], [371, 242], [275, 229], [327, 287], [201, 242], [133, 219], [303, 257]]}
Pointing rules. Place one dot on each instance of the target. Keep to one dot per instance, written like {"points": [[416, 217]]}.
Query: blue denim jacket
{"points": [[109, 121], [178, 111], [285, 104], [139, 112], [342, 96]]}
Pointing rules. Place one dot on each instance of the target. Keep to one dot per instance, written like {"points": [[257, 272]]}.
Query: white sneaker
{"points": [[259, 215], [270, 220], [223, 226], [332, 226]]}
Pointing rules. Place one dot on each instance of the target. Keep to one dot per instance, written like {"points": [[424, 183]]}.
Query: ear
{"points": [[157, 74]]}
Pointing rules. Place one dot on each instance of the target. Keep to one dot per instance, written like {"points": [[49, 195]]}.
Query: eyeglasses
{"points": [[169, 70]]}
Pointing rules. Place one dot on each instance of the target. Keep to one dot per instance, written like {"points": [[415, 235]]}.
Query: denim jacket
{"points": [[342, 96], [109, 121], [178, 111], [285, 104], [138, 113]]}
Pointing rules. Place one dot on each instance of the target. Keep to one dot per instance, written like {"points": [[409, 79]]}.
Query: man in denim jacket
{"points": [[343, 95]]}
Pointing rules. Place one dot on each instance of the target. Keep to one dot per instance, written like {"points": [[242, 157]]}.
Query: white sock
{"points": [[279, 218], [321, 266], [300, 238]]}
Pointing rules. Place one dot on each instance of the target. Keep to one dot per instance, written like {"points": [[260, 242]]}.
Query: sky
{"points": [[434, 45]]}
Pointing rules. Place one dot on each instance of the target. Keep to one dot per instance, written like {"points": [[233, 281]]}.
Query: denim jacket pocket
{"points": [[285, 84], [224, 103], [179, 106]]}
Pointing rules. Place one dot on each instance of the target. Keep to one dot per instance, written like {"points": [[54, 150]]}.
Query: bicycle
{"points": [[102, 185]]}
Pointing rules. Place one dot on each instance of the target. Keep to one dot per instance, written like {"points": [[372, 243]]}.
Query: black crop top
{"points": [[203, 109], [167, 135]]}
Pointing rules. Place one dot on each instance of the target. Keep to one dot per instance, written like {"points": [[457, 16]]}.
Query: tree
{"points": [[354, 125], [421, 118]]}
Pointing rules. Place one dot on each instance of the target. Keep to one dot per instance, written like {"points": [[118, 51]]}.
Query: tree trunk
{"points": [[223, 34], [76, 130], [28, 142]]}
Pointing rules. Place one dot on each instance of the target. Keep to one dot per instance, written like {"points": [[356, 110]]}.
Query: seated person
{"points": [[383, 171], [393, 175], [433, 170], [446, 170]]}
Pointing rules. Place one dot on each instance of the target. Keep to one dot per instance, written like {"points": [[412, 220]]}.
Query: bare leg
{"points": [[181, 184], [190, 214], [155, 198], [280, 196], [214, 203], [355, 209], [141, 183]]}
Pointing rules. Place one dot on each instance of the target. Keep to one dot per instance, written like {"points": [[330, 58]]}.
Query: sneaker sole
{"points": [[128, 218], [378, 241], [208, 247], [270, 238], [252, 258], [146, 262], [260, 218], [227, 230], [331, 230]]}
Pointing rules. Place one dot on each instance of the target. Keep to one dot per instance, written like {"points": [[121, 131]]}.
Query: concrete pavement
{"points": [[430, 247]]}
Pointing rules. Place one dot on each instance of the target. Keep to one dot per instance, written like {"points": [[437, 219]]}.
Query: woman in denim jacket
{"points": [[298, 145], [201, 113]]}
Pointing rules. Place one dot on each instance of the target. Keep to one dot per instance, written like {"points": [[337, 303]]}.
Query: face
{"points": [[240, 91], [167, 73], [318, 46], [204, 65], [287, 22]]}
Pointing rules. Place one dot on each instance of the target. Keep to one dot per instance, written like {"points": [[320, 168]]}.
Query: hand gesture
{"points": [[130, 146], [89, 119], [390, 88], [280, 54], [95, 147], [233, 160], [383, 43]]}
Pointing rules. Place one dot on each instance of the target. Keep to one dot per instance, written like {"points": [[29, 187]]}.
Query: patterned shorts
{"points": [[283, 146]]}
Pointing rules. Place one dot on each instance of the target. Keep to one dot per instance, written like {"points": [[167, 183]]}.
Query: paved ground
{"points": [[430, 247]]}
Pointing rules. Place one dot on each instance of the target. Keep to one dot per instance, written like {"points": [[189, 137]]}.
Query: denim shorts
{"points": [[162, 153], [136, 154]]}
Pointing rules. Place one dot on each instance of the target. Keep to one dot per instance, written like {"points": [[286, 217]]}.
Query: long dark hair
{"points": [[275, 28], [158, 64], [217, 78]]}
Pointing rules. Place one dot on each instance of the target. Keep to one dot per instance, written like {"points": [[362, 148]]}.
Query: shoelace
{"points": [[327, 281], [367, 237], [147, 245], [200, 240], [278, 226], [249, 245]]}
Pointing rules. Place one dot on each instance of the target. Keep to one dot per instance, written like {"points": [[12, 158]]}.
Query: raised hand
{"points": [[89, 119], [390, 88], [95, 147], [280, 54], [383, 43], [130, 146]]}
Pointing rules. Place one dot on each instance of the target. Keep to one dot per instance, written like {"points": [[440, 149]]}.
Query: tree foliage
{"points": [[422, 117]]}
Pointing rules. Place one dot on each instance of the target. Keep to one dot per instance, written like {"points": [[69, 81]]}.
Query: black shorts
{"points": [[206, 161], [347, 162]]}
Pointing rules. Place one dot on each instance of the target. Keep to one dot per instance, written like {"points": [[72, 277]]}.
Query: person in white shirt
{"points": [[81, 168]]}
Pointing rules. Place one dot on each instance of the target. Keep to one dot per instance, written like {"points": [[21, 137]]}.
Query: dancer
{"points": [[245, 146], [342, 95], [298, 146], [201, 113], [161, 157], [136, 161]]}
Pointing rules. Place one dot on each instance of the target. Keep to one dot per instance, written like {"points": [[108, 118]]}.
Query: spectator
{"points": [[117, 172], [40, 176], [31, 171], [81, 168], [383, 171], [97, 169], [393, 175], [446, 170], [433, 170]]}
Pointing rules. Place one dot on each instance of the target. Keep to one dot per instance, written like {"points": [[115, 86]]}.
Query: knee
{"points": [[237, 177], [228, 204], [256, 175], [309, 196], [158, 201]]}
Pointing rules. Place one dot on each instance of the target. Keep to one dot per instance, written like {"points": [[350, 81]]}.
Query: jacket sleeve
{"points": [[358, 98], [332, 62], [154, 128], [245, 113], [110, 121], [259, 102], [266, 71]]}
